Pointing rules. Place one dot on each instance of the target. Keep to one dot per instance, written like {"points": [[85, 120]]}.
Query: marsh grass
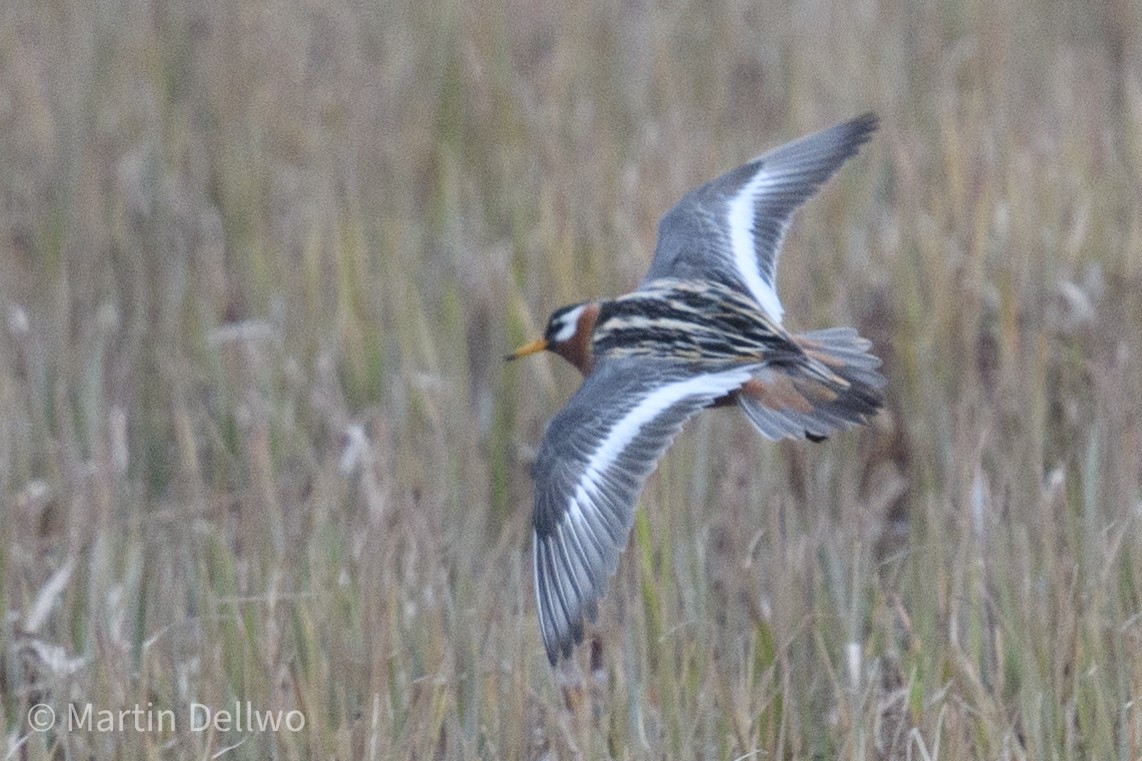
{"points": [[259, 262]]}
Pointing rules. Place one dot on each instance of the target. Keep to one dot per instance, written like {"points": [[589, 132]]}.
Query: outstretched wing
{"points": [[595, 457], [731, 229]]}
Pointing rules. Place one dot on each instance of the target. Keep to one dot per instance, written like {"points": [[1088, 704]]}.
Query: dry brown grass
{"points": [[258, 263]]}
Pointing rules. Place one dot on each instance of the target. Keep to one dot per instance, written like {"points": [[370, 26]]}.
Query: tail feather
{"points": [[832, 385]]}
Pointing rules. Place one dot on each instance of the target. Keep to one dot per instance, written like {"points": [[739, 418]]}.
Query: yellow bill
{"points": [[528, 348]]}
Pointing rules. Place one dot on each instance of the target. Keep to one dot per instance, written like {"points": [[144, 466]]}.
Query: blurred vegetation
{"points": [[259, 262]]}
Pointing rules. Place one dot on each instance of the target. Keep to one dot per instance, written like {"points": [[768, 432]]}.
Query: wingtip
{"points": [[557, 648], [860, 128]]}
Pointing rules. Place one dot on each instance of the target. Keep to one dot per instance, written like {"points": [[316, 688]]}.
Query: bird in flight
{"points": [[702, 329]]}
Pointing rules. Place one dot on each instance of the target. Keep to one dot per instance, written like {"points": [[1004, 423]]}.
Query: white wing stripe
{"points": [[741, 213], [570, 573], [625, 430]]}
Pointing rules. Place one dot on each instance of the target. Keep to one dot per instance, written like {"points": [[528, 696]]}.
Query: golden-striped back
{"points": [[700, 320]]}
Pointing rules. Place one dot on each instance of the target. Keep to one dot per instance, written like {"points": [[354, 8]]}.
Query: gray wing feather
{"points": [[594, 460], [731, 229]]}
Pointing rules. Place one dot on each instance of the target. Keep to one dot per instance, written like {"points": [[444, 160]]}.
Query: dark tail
{"points": [[831, 386]]}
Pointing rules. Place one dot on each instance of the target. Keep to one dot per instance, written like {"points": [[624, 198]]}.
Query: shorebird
{"points": [[702, 329]]}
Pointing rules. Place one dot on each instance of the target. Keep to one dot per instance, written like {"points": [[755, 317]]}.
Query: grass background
{"points": [[259, 262]]}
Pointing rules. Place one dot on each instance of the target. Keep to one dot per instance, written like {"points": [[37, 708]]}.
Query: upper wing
{"points": [[731, 229], [595, 457]]}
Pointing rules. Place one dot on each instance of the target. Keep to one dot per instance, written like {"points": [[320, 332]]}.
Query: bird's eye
{"points": [[563, 326]]}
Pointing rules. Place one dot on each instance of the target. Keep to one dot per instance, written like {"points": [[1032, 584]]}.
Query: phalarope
{"points": [[702, 329]]}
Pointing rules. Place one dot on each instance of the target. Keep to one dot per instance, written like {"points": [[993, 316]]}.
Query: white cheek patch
{"points": [[570, 323]]}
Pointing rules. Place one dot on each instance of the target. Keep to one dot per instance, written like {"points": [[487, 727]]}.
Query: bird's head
{"points": [[568, 334]]}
